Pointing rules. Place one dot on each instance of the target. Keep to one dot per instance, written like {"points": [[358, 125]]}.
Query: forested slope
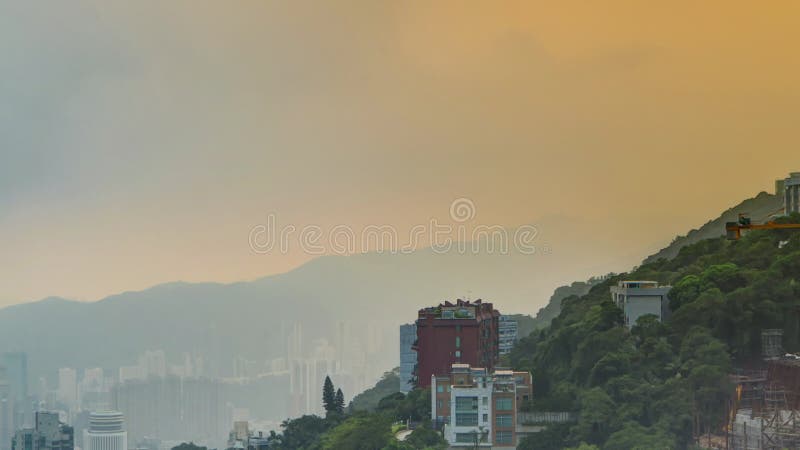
{"points": [[658, 384]]}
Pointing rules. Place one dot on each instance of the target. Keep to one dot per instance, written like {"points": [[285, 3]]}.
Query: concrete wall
{"points": [[638, 305]]}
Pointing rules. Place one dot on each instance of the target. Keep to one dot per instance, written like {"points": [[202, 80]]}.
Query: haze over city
{"points": [[263, 225], [142, 141]]}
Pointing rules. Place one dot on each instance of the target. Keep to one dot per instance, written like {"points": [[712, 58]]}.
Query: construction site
{"points": [[765, 410]]}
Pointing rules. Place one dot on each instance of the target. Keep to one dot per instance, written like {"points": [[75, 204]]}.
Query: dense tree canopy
{"points": [[363, 429], [659, 384]]}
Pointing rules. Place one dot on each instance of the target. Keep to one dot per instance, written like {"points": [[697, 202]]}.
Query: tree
{"points": [[301, 433], [360, 432], [328, 395], [188, 446], [339, 401], [427, 438], [635, 436], [368, 400]]}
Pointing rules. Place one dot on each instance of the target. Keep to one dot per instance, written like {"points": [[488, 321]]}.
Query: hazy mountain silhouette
{"points": [[760, 208], [252, 319]]}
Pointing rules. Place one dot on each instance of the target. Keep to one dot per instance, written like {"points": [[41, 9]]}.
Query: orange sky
{"points": [[140, 142]]}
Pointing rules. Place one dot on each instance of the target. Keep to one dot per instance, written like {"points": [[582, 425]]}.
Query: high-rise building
{"points": [[106, 431], [16, 364], [474, 406], [172, 409], [68, 387], [508, 334], [408, 357], [6, 411], [47, 434], [454, 333], [154, 363]]}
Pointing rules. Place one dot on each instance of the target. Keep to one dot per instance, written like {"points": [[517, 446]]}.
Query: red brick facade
{"points": [[456, 333]]}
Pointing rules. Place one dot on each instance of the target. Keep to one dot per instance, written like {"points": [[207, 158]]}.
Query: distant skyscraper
{"points": [[172, 408], [6, 412], [16, 365], [68, 387], [507, 331], [106, 432], [47, 434], [408, 357], [154, 363]]}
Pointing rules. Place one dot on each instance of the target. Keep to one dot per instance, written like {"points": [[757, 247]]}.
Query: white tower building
{"points": [[106, 431]]}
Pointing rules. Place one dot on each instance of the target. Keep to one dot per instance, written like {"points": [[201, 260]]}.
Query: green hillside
{"points": [[550, 311], [760, 207], [658, 385]]}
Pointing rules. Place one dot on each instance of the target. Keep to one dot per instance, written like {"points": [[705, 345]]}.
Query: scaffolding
{"points": [[771, 343], [774, 425], [780, 425]]}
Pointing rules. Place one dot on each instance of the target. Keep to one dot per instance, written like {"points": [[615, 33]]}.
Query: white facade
{"points": [[68, 387], [464, 397], [106, 432], [791, 198], [639, 298], [470, 408]]}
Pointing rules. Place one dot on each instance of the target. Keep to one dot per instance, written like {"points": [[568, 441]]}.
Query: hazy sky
{"points": [[140, 142]]}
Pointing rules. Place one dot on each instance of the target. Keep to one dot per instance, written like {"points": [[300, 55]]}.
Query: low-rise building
{"points": [[475, 407], [639, 298]]}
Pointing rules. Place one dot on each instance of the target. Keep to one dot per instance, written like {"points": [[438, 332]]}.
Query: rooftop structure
{"points": [[639, 298], [452, 333]]}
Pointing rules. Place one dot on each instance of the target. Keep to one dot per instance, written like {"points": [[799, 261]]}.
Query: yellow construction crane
{"points": [[734, 229]]}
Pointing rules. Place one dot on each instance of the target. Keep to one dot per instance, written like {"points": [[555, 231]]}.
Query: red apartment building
{"points": [[461, 333]]}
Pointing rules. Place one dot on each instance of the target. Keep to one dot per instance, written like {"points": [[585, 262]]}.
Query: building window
{"points": [[439, 388], [458, 353], [439, 404], [504, 404], [466, 419], [465, 437], [467, 404], [504, 437], [503, 420], [458, 341], [485, 401], [458, 328], [485, 418]]}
